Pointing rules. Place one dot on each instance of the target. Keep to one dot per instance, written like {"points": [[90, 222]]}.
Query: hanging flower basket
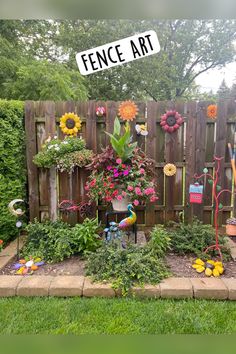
{"points": [[171, 121]]}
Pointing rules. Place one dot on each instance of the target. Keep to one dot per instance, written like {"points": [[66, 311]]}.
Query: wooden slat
{"points": [[30, 153]]}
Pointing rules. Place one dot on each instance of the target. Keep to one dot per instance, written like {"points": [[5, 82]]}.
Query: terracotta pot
{"points": [[120, 205], [231, 230]]}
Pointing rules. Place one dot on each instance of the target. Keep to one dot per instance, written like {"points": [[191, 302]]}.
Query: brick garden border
{"points": [[68, 286]]}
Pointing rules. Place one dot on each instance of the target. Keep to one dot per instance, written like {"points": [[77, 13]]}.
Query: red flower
{"points": [[1, 242], [112, 185], [123, 165], [115, 193], [104, 184], [93, 182]]}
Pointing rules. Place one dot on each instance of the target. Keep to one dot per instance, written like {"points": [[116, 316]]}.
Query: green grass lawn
{"points": [[115, 316]]}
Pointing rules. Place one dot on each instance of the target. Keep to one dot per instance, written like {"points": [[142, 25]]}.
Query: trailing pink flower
{"points": [[116, 174], [142, 171], [119, 197], [153, 198], [136, 202], [149, 191], [125, 172], [124, 193], [109, 168], [119, 161], [130, 188], [138, 191], [93, 182]]}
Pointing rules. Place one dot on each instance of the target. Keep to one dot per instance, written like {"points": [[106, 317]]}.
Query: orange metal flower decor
{"points": [[128, 110], [212, 111]]}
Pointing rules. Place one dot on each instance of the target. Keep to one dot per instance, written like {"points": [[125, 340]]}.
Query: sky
{"points": [[212, 79]]}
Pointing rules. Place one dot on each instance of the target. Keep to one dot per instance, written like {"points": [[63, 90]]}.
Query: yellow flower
{"points": [[70, 123], [169, 169], [128, 110]]}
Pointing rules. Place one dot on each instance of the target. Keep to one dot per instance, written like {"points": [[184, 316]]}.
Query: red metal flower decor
{"points": [[100, 111], [171, 121]]}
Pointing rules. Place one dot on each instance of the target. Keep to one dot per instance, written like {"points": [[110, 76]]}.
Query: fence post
{"points": [[31, 150], [152, 113]]}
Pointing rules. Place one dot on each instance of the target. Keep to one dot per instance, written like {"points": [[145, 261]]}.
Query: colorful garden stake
{"points": [[70, 123], [212, 111], [171, 121], [217, 192], [100, 111], [27, 267], [196, 193], [128, 110], [18, 213]]}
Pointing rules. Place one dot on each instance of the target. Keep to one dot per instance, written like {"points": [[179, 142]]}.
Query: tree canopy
{"points": [[32, 50]]}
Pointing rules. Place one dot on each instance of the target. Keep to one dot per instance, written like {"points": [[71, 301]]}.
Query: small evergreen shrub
{"points": [[12, 163]]}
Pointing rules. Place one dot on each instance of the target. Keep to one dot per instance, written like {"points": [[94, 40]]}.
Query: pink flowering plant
{"points": [[114, 177]]}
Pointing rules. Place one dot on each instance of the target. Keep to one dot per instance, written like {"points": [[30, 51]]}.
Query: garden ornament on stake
{"points": [[18, 213], [171, 121], [217, 192]]}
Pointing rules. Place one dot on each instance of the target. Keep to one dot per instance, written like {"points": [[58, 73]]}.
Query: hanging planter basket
{"points": [[171, 121]]}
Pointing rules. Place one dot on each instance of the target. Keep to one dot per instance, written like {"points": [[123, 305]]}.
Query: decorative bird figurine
{"points": [[130, 220]]}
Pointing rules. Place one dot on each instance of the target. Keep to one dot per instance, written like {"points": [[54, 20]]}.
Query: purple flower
{"points": [[116, 174], [115, 170], [125, 172]]}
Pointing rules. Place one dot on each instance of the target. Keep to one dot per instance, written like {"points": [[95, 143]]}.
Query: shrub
{"points": [[160, 240], [55, 241], [12, 163], [194, 238], [126, 267]]}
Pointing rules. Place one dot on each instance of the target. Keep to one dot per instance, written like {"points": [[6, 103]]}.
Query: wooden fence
{"points": [[191, 148]]}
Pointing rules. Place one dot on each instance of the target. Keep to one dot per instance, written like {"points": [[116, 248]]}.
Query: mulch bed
{"points": [[72, 266]]}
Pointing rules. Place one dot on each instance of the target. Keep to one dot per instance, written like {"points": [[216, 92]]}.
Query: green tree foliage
{"points": [[12, 163], [188, 48], [41, 80], [224, 90]]}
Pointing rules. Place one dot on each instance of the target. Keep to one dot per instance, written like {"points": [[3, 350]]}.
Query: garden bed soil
{"points": [[180, 266]]}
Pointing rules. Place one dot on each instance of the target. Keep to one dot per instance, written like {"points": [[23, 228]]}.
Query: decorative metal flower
{"points": [[169, 169], [141, 129], [70, 123], [128, 110], [86, 210], [171, 121], [212, 111], [100, 111]]}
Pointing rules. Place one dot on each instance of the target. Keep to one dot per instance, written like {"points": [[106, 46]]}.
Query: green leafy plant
{"points": [[12, 163], [122, 144], [126, 267], [160, 240], [65, 154], [194, 238], [85, 236], [55, 241]]}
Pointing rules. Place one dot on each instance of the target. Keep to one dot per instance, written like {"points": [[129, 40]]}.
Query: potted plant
{"points": [[64, 154], [122, 173], [231, 226]]}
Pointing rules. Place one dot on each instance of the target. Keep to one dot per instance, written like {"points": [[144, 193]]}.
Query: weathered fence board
{"points": [[191, 149]]}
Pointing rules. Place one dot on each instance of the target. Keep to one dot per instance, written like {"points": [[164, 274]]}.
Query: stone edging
{"points": [[175, 288]]}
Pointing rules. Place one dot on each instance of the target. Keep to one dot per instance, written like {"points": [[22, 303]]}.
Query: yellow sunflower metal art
{"points": [[128, 110], [70, 123]]}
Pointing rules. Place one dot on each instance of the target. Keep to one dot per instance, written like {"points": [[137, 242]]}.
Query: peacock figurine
{"points": [[130, 220]]}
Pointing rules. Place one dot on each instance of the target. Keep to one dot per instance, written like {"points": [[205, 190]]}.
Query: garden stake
{"points": [[215, 177], [18, 213]]}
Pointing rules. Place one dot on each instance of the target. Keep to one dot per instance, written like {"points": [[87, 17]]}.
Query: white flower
{"points": [[48, 139], [65, 142], [57, 148], [55, 136], [50, 147]]}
